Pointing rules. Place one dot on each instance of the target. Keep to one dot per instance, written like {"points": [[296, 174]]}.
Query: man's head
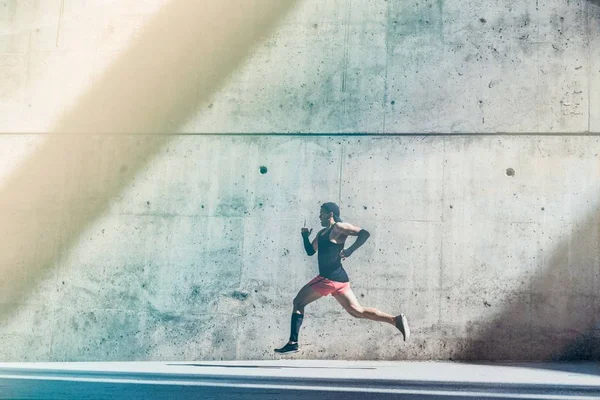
{"points": [[328, 211]]}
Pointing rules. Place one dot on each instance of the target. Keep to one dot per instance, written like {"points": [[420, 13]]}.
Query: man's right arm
{"points": [[311, 248]]}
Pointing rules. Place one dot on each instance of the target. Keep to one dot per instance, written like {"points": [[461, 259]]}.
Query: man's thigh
{"points": [[348, 300], [307, 294]]}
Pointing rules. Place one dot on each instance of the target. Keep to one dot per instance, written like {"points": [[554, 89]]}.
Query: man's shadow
{"points": [[557, 317]]}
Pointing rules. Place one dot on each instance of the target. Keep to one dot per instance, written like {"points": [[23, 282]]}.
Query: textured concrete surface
{"points": [[328, 66], [488, 244], [594, 24], [300, 379], [538, 373], [175, 246]]}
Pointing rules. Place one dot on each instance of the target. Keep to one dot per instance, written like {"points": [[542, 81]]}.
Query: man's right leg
{"points": [[348, 300], [305, 296]]}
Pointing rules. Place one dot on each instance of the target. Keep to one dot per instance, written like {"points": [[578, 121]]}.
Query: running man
{"points": [[332, 278]]}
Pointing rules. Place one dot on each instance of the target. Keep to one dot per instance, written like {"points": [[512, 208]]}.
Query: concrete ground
{"points": [[299, 379]]}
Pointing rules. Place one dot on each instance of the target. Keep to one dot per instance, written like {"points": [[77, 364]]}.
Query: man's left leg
{"points": [[305, 296], [350, 303]]}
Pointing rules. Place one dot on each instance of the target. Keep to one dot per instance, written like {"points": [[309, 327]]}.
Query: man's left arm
{"points": [[351, 230]]}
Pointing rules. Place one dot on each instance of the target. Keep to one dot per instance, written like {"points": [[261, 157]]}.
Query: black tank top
{"points": [[330, 262]]}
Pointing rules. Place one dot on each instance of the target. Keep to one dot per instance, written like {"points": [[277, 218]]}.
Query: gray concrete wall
{"points": [[176, 247], [199, 256], [371, 66]]}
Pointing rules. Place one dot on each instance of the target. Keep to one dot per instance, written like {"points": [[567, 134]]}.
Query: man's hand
{"points": [[308, 246], [345, 253]]}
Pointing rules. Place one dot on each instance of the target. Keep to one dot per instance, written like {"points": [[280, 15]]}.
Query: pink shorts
{"points": [[327, 287]]}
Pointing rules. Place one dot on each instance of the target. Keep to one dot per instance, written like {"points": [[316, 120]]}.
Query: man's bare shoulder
{"points": [[347, 228]]}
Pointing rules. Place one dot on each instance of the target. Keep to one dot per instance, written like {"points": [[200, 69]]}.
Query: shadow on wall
{"points": [[180, 59], [557, 318]]}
